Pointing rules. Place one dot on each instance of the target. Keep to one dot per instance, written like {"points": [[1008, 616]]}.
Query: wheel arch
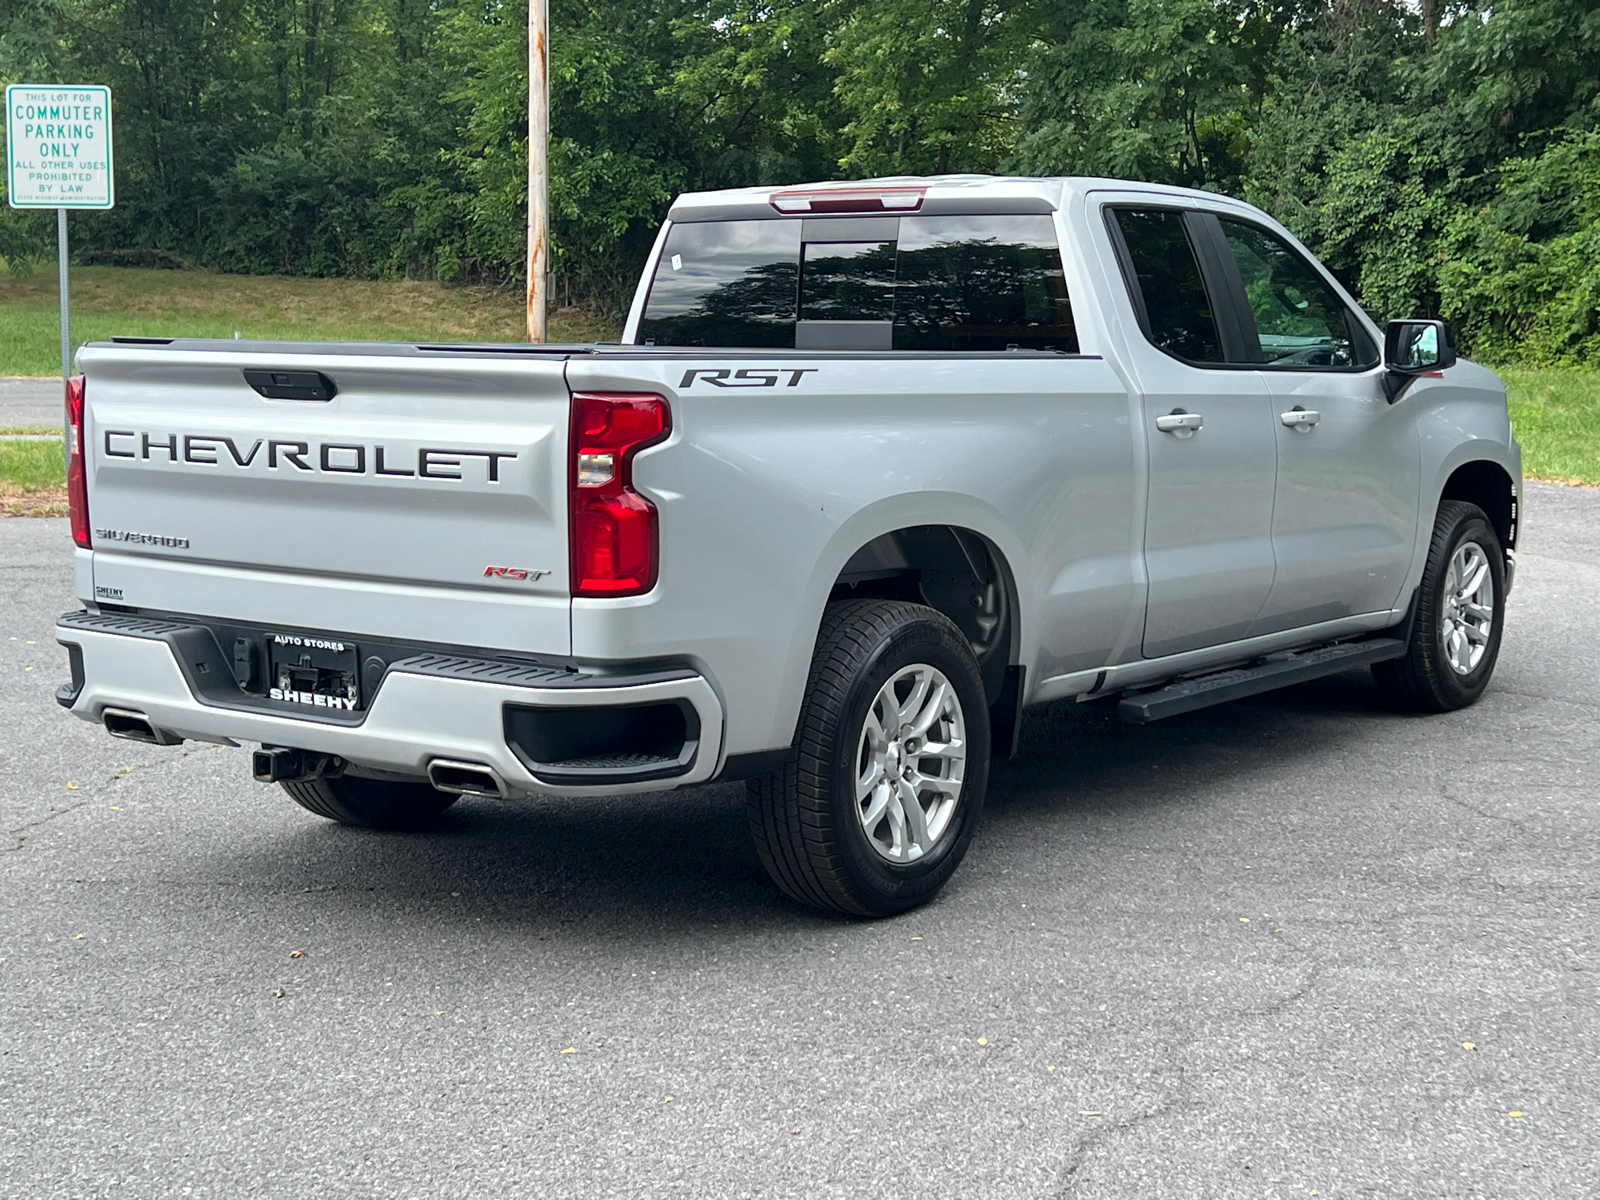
{"points": [[964, 574], [951, 568], [1488, 485]]}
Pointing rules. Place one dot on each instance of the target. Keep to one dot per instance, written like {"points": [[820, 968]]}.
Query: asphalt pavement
{"points": [[30, 402], [1294, 946]]}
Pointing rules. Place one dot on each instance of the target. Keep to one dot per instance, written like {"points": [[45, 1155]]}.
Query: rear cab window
{"points": [[973, 283]]}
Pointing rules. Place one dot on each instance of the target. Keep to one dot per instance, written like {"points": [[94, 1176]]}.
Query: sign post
{"points": [[538, 168], [58, 151], [61, 280]]}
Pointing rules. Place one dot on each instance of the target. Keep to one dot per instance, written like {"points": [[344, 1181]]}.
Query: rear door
{"points": [[1209, 432], [425, 498]]}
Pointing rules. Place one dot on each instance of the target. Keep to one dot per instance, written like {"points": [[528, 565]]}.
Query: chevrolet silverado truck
{"points": [[875, 466]]}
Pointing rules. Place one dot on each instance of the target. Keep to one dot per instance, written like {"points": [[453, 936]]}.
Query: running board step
{"points": [[1187, 695]]}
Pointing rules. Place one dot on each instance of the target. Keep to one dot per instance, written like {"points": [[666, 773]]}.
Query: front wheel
{"points": [[884, 795], [1460, 609]]}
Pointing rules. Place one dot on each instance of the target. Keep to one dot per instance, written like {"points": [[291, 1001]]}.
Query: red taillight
{"points": [[77, 474], [614, 533]]}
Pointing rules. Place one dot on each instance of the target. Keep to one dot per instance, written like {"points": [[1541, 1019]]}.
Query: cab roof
{"points": [[932, 195]]}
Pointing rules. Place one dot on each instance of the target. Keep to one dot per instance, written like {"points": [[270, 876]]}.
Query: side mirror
{"points": [[1412, 348]]}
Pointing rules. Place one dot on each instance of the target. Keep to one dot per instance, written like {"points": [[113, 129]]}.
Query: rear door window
{"points": [[1168, 290], [906, 283]]}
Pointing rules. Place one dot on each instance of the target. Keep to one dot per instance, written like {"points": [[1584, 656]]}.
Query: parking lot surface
{"points": [[1292, 946], [30, 402]]}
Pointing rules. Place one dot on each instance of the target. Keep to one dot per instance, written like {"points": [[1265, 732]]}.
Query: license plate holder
{"points": [[317, 672]]}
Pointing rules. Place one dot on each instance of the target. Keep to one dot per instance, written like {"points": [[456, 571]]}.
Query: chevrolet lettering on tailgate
{"points": [[333, 458]]}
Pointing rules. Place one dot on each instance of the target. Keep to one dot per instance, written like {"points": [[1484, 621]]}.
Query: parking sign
{"points": [[58, 143]]}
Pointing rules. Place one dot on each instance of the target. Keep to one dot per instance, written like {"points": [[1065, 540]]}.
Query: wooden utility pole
{"points": [[538, 167]]}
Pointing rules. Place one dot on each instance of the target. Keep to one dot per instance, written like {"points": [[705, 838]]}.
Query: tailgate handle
{"points": [[292, 385]]}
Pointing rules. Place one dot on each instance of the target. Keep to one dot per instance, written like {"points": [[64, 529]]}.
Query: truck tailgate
{"points": [[425, 499]]}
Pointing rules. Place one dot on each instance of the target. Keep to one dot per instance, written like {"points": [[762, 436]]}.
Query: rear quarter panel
{"points": [[765, 493]]}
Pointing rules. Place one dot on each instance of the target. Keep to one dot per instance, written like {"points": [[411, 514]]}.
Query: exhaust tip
{"points": [[135, 727], [465, 778]]}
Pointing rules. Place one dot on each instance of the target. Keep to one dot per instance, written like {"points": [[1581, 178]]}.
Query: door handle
{"points": [[1181, 423], [1299, 419]]}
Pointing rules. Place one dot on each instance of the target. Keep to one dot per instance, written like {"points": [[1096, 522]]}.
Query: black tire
{"points": [[807, 829], [1424, 680], [371, 803]]}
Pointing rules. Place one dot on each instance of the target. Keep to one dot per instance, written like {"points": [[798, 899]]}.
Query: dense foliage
{"points": [[1444, 157]]}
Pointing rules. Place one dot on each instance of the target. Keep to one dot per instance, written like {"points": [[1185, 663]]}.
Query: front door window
{"points": [[1301, 322]]}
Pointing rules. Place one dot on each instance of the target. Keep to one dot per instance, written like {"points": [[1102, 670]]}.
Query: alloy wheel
{"points": [[1467, 622], [910, 763]]}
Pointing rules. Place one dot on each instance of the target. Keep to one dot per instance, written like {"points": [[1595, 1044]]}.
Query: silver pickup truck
{"points": [[875, 466]]}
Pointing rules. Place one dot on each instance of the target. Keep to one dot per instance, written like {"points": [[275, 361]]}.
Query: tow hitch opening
{"points": [[284, 764]]}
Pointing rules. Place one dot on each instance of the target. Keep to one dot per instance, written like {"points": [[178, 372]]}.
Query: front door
{"points": [[1344, 517], [1209, 429]]}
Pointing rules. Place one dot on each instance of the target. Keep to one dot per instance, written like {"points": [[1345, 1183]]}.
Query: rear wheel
{"points": [[371, 803], [1455, 632], [885, 793]]}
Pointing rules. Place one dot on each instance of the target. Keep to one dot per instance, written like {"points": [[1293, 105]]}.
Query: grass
{"points": [[1556, 414], [107, 301], [33, 479]]}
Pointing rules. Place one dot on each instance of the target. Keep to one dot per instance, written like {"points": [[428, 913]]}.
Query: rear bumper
{"points": [[428, 707]]}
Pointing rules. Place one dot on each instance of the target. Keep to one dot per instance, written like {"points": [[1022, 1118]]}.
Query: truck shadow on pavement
{"points": [[1083, 756], [585, 867]]}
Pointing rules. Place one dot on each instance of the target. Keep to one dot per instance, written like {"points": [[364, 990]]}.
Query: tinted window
{"points": [[847, 281], [1301, 321], [981, 283], [946, 283], [1177, 310], [725, 283]]}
